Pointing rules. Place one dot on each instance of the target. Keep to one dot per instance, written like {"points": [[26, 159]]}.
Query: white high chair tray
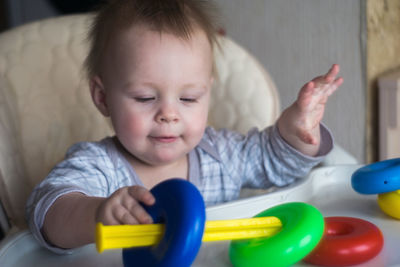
{"points": [[328, 189]]}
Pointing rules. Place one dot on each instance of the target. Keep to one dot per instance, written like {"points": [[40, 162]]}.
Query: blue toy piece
{"points": [[180, 206], [376, 178]]}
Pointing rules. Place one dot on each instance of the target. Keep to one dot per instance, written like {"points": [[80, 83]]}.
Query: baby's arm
{"points": [[70, 221], [299, 124]]}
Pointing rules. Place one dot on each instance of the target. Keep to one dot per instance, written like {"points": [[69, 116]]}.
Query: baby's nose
{"points": [[167, 114]]}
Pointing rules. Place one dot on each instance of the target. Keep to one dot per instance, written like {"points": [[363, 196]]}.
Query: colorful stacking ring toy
{"points": [[302, 229], [180, 205], [376, 178], [382, 178], [346, 241], [390, 203], [292, 233]]}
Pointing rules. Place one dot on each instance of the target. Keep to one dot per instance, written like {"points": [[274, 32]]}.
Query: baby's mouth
{"points": [[164, 139]]}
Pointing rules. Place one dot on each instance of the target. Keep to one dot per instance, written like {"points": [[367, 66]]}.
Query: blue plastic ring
{"points": [[180, 206], [376, 178]]}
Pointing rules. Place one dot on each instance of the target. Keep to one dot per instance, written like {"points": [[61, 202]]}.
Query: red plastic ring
{"points": [[346, 241]]}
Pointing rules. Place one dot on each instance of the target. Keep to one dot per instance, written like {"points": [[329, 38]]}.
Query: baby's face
{"points": [[157, 90]]}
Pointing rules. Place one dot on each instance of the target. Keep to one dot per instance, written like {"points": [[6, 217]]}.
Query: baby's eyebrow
{"points": [[194, 91], [201, 86], [134, 85]]}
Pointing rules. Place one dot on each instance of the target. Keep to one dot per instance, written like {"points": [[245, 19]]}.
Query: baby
{"points": [[150, 68]]}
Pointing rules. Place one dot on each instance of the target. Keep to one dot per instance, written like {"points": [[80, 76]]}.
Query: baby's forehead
{"points": [[136, 32], [140, 50]]}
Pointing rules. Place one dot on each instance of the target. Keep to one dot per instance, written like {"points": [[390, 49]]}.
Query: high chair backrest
{"points": [[45, 104]]}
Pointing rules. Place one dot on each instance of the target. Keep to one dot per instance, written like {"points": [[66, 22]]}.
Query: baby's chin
{"points": [[165, 159]]}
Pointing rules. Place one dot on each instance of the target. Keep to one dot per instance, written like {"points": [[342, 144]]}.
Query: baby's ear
{"points": [[98, 94]]}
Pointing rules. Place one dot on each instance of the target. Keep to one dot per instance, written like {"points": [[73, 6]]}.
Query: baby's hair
{"points": [[178, 17]]}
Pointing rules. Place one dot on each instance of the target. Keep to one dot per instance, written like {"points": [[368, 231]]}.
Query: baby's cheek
{"points": [[195, 130], [137, 126], [130, 126]]}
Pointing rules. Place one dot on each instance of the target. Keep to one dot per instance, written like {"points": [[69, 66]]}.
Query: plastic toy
{"points": [[390, 203], [346, 241], [376, 178], [180, 204], [127, 236], [382, 178], [302, 229]]}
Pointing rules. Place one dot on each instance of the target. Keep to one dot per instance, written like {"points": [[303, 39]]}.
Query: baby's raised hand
{"points": [[124, 207], [299, 124]]}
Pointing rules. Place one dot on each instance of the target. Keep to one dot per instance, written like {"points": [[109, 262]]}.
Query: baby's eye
{"points": [[188, 99], [144, 99]]}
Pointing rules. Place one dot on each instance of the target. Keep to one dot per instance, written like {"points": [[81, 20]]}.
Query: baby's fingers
{"points": [[332, 73], [338, 82], [329, 77], [124, 216], [133, 204], [332, 88], [134, 213], [142, 194], [131, 212]]}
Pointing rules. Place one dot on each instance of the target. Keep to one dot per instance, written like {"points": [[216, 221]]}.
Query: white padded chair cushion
{"points": [[244, 95], [45, 104]]}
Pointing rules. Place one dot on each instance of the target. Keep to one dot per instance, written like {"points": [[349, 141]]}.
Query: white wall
{"points": [[298, 40]]}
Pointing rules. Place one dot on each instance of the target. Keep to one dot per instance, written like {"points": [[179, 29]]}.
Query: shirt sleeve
{"points": [[86, 169], [262, 159]]}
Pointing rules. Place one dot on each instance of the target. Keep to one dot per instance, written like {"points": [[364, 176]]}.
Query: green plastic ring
{"points": [[302, 229]]}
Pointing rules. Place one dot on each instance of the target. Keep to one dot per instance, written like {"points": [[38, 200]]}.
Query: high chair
{"points": [[45, 103]]}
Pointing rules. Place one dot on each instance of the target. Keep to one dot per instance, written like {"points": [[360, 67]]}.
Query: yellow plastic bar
{"points": [[125, 236]]}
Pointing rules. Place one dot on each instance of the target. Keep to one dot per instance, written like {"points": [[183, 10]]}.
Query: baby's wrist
{"points": [[296, 140]]}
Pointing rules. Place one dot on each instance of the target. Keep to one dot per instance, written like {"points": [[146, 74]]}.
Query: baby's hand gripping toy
{"points": [[280, 236]]}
